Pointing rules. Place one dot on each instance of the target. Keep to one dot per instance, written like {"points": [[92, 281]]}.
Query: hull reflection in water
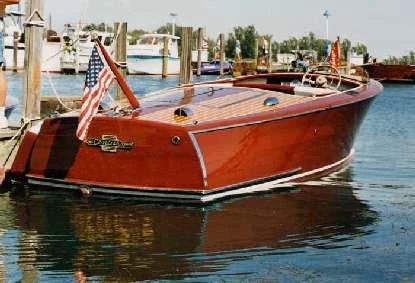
{"points": [[106, 240]]}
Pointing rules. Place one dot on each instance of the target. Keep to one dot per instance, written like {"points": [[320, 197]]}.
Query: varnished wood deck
{"points": [[246, 102]]}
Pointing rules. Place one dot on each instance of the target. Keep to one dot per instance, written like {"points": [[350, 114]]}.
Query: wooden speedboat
{"points": [[207, 141]]}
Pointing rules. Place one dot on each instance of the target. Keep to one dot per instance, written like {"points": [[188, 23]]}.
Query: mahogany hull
{"points": [[211, 161], [293, 145]]}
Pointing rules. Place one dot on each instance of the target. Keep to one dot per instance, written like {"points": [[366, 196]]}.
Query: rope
{"points": [[17, 137], [55, 93], [52, 85]]}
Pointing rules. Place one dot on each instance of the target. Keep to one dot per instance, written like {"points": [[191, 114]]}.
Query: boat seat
{"points": [[312, 91], [273, 87]]}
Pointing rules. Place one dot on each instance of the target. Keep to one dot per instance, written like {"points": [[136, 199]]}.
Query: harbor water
{"points": [[354, 226]]}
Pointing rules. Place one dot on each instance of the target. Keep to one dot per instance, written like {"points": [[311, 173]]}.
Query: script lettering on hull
{"points": [[110, 143]]}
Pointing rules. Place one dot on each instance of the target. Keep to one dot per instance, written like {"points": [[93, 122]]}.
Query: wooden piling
{"points": [[256, 51], [348, 59], [221, 54], [199, 50], [15, 49], [3, 81], [121, 53], [269, 65], [186, 56], [33, 54], [165, 67]]}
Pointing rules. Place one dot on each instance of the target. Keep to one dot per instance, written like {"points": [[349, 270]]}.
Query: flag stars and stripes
{"points": [[94, 67], [98, 79]]}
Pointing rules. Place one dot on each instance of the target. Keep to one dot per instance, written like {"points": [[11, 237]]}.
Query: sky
{"points": [[385, 26]]}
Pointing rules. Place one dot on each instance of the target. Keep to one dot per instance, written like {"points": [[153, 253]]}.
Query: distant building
{"points": [[356, 59], [285, 58]]}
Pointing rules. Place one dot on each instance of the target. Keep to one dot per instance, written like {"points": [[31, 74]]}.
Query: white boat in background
{"points": [[12, 24], [67, 58], [146, 56], [86, 43], [51, 50], [77, 47], [51, 45]]}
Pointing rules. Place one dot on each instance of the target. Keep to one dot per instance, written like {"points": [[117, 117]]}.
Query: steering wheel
{"points": [[322, 79]]}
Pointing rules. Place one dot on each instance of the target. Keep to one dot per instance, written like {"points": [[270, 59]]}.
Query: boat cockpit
{"points": [[236, 97], [318, 81]]}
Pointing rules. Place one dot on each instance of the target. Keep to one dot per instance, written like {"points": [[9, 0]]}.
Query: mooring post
{"points": [[349, 63], [199, 50], [222, 54], [186, 56], [3, 81], [270, 55], [15, 49], [256, 50], [34, 27], [165, 67], [121, 53]]}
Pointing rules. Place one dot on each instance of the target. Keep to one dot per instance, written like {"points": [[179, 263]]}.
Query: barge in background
{"points": [[391, 73]]}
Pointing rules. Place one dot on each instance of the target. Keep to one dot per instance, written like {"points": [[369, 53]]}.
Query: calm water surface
{"points": [[355, 226]]}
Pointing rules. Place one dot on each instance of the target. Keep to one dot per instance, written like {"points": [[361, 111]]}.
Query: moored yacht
{"points": [[77, 46], [146, 56]]}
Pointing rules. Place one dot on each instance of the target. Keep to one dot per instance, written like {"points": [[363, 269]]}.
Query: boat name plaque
{"points": [[110, 143]]}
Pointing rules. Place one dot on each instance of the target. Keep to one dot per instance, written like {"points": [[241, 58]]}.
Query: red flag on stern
{"points": [[334, 58], [98, 79]]}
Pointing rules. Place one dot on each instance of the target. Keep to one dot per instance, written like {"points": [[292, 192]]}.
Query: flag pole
{"points": [[120, 79]]}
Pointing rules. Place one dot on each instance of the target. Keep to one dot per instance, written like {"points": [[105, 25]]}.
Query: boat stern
{"points": [[120, 155]]}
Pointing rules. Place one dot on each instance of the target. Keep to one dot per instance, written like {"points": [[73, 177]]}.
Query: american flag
{"points": [[98, 79]]}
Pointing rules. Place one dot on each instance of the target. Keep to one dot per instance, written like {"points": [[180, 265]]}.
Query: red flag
{"points": [[334, 58], [98, 79]]}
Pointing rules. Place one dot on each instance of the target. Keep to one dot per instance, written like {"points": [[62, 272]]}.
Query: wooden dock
{"points": [[6, 147], [6, 134], [51, 104]]}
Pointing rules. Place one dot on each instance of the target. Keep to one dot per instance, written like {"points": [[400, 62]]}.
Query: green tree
{"points": [[89, 27], [304, 43], [211, 46], [360, 49], [284, 47], [135, 35], [404, 60], [276, 48], [98, 27], [230, 46], [168, 29], [412, 57], [345, 47], [248, 39]]}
